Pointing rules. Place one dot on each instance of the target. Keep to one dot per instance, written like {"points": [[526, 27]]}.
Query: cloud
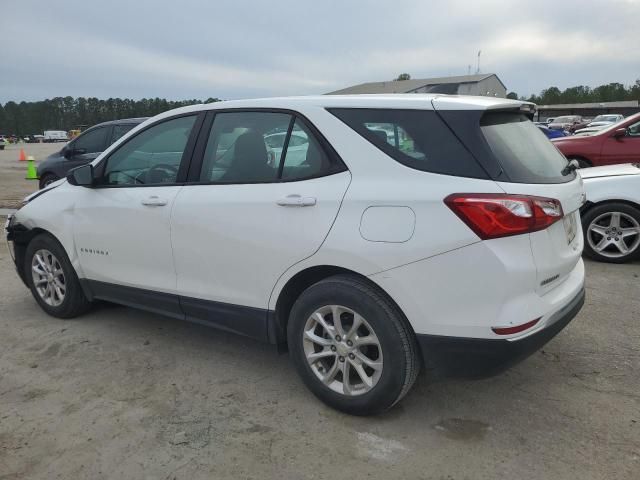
{"points": [[242, 48]]}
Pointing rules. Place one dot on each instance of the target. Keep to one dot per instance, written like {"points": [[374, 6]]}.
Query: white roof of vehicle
{"points": [[397, 100]]}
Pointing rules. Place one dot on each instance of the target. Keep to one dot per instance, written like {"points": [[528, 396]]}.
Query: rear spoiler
{"points": [[483, 103]]}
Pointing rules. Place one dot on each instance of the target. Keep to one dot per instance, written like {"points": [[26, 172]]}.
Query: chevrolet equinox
{"points": [[399, 232]]}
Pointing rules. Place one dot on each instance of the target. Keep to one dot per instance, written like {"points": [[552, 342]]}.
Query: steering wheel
{"points": [[163, 171]]}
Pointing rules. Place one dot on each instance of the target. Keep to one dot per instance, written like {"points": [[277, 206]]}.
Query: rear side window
{"points": [[416, 138], [523, 151], [263, 147]]}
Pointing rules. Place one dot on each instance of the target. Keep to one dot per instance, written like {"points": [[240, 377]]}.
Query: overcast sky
{"points": [[182, 49]]}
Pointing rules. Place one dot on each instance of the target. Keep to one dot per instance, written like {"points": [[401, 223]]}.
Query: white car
{"points": [[297, 147], [611, 216], [605, 120], [55, 136], [458, 248]]}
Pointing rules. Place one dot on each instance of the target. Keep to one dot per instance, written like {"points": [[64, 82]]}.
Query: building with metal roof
{"points": [[485, 84], [626, 108]]}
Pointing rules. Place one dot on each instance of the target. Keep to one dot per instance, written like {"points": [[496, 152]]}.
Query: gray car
{"points": [[83, 149]]}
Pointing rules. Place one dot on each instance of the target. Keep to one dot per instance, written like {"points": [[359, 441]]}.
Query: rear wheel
{"points": [[612, 233], [47, 179], [52, 279], [351, 345]]}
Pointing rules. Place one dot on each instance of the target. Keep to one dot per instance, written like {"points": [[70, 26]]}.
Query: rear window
{"points": [[522, 150], [416, 138]]}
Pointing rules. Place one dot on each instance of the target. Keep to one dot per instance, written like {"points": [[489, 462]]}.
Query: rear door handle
{"points": [[296, 201], [154, 201]]}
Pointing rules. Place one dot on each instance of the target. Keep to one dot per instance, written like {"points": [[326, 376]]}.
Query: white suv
{"points": [[419, 230]]}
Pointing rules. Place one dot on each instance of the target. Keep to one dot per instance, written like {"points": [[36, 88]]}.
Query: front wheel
{"points": [[612, 233], [52, 279], [352, 347]]}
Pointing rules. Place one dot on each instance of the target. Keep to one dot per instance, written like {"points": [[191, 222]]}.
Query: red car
{"points": [[619, 143]]}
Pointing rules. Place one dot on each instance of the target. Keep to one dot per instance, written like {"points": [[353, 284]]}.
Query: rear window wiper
{"points": [[572, 166]]}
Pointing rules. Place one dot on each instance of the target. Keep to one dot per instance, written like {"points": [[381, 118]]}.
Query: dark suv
{"points": [[83, 149]]}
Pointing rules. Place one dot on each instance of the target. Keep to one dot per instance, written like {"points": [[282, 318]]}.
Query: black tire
{"points": [[75, 302], [48, 178], [602, 209], [401, 362]]}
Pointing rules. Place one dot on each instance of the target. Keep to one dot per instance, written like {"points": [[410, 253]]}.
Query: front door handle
{"points": [[154, 201], [296, 201]]}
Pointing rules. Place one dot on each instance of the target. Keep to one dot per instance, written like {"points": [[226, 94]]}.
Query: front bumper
{"points": [[17, 237], [479, 358], [9, 239]]}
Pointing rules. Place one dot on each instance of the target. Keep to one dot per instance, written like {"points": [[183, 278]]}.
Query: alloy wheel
{"points": [[614, 234], [342, 350], [48, 277]]}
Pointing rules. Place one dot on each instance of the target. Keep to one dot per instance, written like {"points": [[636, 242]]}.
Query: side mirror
{"points": [[67, 152], [81, 176], [619, 132]]}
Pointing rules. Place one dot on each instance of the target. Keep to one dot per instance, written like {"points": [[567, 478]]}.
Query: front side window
{"points": [[92, 141], [151, 157]]}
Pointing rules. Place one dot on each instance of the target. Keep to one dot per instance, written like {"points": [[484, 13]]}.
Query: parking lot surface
{"points": [[13, 185], [120, 393]]}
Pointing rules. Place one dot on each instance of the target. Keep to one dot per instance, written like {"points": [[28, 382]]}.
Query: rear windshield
{"points": [[522, 150]]}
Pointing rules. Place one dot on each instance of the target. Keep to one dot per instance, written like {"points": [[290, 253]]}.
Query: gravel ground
{"points": [[124, 394], [13, 186]]}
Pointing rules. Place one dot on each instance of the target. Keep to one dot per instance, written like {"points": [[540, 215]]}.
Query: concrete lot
{"points": [[120, 393], [125, 394], [13, 186]]}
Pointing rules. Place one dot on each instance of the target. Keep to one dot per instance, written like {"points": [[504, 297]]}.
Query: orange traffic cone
{"points": [[23, 157]]}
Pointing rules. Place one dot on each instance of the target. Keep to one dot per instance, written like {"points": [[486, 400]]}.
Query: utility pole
{"points": [[478, 69]]}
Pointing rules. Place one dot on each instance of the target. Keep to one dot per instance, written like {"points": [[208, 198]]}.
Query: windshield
{"points": [[523, 151], [605, 118], [564, 120]]}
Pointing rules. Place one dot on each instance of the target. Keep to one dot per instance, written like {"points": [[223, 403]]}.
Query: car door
{"points": [[245, 219], [87, 147], [624, 149], [122, 225]]}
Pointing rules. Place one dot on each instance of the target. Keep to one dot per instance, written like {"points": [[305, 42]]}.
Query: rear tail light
{"points": [[495, 215]]}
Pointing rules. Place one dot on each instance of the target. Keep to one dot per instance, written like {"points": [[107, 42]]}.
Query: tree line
{"points": [[611, 92], [67, 113]]}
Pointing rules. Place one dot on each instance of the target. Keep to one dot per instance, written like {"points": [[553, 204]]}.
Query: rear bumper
{"points": [[478, 358]]}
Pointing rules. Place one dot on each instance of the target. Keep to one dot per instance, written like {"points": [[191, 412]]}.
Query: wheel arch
{"points": [[21, 239], [297, 284], [589, 205]]}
